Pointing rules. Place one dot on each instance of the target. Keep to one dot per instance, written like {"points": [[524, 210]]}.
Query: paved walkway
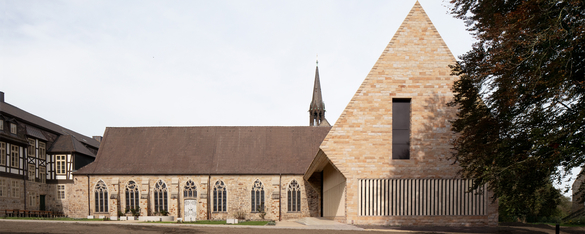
{"points": [[315, 223]]}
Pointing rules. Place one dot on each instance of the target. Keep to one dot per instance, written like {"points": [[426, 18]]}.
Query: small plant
{"points": [[106, 219], [120, 214], [135, 211], [271, 223], [240, 214], [164, 212], [261, 210]]}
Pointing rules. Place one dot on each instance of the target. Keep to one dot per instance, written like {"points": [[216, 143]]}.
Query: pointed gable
{"points": [[414, 66]]}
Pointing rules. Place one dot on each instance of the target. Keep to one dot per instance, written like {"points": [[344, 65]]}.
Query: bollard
{"points": [[558, 229]]}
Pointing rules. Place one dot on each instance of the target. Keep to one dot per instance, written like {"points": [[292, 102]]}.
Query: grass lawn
{"points": [[58, 219], [257, 223], [222, 222]]}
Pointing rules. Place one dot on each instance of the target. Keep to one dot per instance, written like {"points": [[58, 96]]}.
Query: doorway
{"points": [[190, 210], [42, 202]]}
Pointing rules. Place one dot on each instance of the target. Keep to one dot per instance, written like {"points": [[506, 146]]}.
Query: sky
{"points": [[88, 65]]}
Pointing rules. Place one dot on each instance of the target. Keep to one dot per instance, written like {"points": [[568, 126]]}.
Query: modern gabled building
{"points": [[387, 158], [37, 158]]}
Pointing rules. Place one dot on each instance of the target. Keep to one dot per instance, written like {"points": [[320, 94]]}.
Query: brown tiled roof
{"points": [[42, 123], [31, 131], [67, 144], [207, 150]]}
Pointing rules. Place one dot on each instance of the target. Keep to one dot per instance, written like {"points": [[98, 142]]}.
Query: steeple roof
{"points": [[317, 102]]}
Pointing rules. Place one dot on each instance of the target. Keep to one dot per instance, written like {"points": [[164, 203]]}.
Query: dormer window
{"points": [[13, 128]]}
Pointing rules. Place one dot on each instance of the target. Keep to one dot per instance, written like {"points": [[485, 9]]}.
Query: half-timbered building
{"points": [[37, 158]]}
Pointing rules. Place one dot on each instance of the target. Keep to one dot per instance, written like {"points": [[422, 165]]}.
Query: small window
{"points": [[2, 153], [190, 190], [219, 197], [31, 148], [101, 197], [160, 197], [294, 197], [15, 189], [132, 197], [60, 163], [14, 156], [401, 128], [43, 174], [1, 124], [257, 196], [3, 192], [13, 128], [42, 150], [31, 172], [32, 200], [61, 191]]}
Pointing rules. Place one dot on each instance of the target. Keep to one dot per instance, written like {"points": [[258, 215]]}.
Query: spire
{"points": [[317, 107]]}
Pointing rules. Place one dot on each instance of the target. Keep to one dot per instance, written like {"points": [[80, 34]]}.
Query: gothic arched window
{"points": [[131, 195], [294, 197], [160, 197], [257, 197], [190, 190], [219, 197], [101, 197]]}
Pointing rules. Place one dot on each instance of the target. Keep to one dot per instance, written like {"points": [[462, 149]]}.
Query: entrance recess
{"points": [[190, 210]]}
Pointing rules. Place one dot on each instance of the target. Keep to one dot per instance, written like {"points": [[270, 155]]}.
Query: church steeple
{"points": [[317, 107]]}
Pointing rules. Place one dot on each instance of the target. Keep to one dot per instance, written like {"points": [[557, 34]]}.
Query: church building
{"points": [[385, 161]]}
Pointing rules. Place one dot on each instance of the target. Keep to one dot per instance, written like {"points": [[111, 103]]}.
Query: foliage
{"points": [[542, 205], [577, 221], [240, 214], [261, 211], [521, 98], [164, 212], [134, 211]]}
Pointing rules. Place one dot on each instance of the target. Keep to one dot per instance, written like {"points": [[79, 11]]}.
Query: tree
{"points": [[521, 94]]}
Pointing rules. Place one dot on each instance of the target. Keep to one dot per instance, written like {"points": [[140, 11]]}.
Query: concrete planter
{"points": [[157, 218]]}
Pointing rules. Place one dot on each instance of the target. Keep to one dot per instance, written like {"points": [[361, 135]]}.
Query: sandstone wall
{"points": [[238, 193]]}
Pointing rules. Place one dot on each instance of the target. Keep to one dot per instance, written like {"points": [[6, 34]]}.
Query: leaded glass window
{"points": [[257, 196], [219, 197], [101, 197], [160, 197], [190, 190], [132, 197], [294, 197]]}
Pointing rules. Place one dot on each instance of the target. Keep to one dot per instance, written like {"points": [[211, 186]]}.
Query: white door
{"points": [[190, 210]]}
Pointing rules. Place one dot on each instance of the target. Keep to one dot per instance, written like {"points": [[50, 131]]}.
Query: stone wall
{"points": [[238, 193]]}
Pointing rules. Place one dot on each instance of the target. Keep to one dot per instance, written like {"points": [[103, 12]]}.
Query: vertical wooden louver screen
{"points": [[420, 197]]}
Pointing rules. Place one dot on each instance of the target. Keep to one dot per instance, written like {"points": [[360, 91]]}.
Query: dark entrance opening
{"points": [[42, 202]]}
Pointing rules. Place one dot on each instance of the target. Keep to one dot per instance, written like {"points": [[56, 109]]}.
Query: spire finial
{"points": [[317, 60]]}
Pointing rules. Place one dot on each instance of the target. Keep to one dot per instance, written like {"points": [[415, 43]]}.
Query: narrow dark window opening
{"points": [[401, 128]]}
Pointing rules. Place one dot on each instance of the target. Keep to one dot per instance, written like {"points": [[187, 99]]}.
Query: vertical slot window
{"points": [[401, 128]]}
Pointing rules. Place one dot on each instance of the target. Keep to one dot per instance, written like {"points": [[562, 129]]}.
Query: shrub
{"points": [[240, 214], [261, 211], [164, 212], [135, 212]]}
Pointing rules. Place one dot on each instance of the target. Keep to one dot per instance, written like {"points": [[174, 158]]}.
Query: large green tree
{"points": [[521, 94]]}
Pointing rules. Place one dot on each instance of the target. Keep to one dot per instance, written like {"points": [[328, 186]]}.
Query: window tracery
{"points": [[190, 190], [294, 197], [160, 197], [101, 197], [257, 197], [219, 197], [132, 197]]}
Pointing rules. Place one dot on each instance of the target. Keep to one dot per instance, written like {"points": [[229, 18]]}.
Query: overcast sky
{"points": [[88, 65]]}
